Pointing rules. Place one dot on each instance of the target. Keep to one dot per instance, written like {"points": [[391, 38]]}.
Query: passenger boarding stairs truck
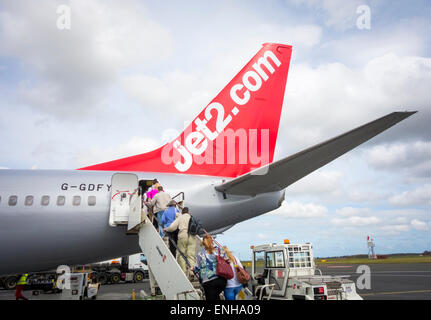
{"points": [[288, 272], [126, 210]]}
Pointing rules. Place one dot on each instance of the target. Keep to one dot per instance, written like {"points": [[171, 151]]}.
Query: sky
{"points": [[124, 75]]}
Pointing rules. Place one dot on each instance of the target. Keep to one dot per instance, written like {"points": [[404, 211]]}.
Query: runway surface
{"points": [[388, 282]]}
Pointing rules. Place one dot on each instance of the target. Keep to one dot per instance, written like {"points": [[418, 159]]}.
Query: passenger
{"points": [[143, 188], [186, 242], [148, 197], [168, 217], [233, 286], [206, 265], [154, 190], [159, 204], [20, 287], [156, 184], [180, 205]]}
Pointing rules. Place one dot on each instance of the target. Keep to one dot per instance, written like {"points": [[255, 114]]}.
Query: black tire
{"points": [[10, 283], [115, 278], [138, 276], [102, 278]]}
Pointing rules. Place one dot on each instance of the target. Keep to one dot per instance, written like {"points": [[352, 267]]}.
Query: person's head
{"points": [[185, 210], [172, 203], [143, 187], [160, 188], [207, 243], [180, 204], [229, 254]]}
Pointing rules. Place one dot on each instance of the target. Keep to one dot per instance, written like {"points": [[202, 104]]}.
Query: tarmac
{"points": [[388, 282]]}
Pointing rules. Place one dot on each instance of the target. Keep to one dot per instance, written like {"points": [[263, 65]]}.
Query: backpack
{"points": [[195, 227]]}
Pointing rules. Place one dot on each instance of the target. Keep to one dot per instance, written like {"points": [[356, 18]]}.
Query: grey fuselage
{"points": [[36, 237]]}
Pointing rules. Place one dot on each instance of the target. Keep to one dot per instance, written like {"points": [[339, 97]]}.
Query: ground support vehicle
{"points": [[288, 271]]}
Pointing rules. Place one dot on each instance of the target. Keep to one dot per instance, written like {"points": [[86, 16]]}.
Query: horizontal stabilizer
{"points": [[278, 175]]}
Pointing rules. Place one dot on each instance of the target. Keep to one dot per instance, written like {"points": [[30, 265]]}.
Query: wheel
{"points": [[139, 276], [115, 278], [10, 283], [102, 278]]}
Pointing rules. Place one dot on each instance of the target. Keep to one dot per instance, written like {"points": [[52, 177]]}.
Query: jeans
{"points": [[230, 293], [159, 218]]}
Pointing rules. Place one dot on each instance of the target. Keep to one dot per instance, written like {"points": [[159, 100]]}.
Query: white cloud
{"points": [[414, 157], [71, 69], [400, 220], [318, 182], [366, 195], [300, 211], [419, 196], [136, 145], [340, 14], [356, 221], [420, 225], [388, 155], [355, 97], [262, 236], [349, 211], [395, 229], [177, 92]]}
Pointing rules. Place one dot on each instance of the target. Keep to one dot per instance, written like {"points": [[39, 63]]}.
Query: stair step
{"points": [[171, 279]]}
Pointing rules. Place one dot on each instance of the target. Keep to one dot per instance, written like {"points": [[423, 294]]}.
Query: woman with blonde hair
{"points": [[206, 267], [233, 286]]}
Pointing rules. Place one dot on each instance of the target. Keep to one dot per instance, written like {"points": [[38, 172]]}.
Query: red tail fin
{"points": [[234, 134]]}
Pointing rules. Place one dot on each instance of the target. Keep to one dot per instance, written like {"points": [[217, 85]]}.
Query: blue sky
{"points": [[66, 100]]}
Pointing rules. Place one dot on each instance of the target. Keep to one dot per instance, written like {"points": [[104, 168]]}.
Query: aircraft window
{"points": [[92, 200], [76, 200], [29, 200], [13, 200], [45, 201], [61, 200]]}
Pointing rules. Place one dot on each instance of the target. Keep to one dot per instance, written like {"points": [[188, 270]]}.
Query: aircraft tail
{"points": [[234, 134]]}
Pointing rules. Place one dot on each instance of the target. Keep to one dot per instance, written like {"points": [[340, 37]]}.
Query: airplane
{"points": [[222, 164]]}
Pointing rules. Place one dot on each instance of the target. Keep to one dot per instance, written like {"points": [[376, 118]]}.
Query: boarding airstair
{"points": [[126, 210]]}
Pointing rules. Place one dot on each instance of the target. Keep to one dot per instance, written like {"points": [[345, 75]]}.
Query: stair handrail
{"points": [[180, 193], [179, 251]]}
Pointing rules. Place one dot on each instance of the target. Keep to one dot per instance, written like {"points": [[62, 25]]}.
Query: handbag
{"points": [[224, 269], [242, 275]]}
